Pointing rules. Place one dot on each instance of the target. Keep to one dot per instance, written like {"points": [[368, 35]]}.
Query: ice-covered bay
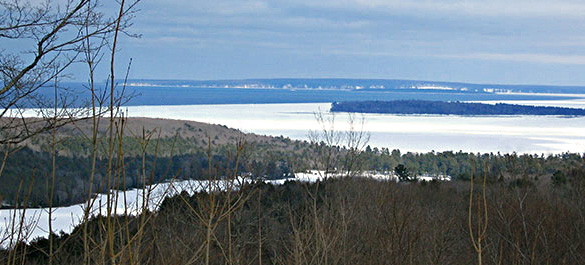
{"points": [[420, 133]]}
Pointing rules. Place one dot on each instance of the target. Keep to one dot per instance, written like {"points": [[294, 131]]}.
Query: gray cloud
{"points": [[381, 32]]}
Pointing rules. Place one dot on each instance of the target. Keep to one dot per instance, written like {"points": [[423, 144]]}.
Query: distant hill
{"points": [[299, 90], [172, 149], [449, 108]]}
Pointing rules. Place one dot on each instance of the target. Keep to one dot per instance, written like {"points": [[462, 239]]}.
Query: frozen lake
{"points": [[36, 220], [418, 133]]}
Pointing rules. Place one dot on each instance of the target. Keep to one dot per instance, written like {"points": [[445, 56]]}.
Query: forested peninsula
{"points": [[449, 108]]}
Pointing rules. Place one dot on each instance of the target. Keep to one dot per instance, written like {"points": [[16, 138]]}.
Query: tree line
{"points": [[262, 161]]}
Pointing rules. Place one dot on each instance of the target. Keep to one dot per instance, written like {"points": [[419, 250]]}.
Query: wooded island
{"points": [[449, 108]]}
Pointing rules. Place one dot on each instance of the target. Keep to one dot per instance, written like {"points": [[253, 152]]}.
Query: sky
{"points": [[477, 41]]}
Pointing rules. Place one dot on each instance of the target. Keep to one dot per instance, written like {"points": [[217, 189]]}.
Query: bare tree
{"points": [[339, 151], [326, 139], [45, 38], [356, 139]]}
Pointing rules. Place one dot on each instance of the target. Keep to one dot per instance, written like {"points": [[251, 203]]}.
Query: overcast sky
{"points": [[481, 41]]}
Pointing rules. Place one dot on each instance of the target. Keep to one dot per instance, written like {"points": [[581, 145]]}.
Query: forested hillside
{"points": [[172, 149], [169, 149]]}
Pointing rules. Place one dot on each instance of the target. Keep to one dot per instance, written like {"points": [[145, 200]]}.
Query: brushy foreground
{"points": [[338, 221]]}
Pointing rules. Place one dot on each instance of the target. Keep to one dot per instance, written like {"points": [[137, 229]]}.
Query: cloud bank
{"points": [[536, 41]]}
